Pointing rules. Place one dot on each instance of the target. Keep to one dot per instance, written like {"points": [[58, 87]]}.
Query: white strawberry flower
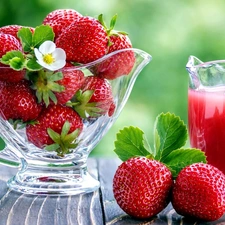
{"points": [[49, 56]]}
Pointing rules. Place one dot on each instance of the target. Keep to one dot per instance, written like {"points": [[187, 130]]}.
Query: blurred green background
{"points": [[170, 30]]}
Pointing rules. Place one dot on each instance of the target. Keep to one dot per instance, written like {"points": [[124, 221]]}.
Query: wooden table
{"points": [[96, 208]]}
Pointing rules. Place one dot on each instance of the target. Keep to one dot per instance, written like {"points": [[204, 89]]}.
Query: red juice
{"points": [[206, 122]]}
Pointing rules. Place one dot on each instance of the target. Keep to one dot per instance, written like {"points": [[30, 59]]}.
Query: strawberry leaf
{"points": [[170, 133], [180, 158], [130, 143], [14, 59], [41, 34], [2, 144], [25, 36], [32, 65]]}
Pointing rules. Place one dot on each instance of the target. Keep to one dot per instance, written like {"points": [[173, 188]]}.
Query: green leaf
{"points": [[130, 143], [14, 59], [170, 134], [2, 144], [32, 65], [25, 36], [41, 34], [180, 158]]}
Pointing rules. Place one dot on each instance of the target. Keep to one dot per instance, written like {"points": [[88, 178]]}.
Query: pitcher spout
{"points": [[192, 67], [205, 74]]}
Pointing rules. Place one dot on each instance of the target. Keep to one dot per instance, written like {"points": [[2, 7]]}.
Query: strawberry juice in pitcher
{"points": [[206, 109]]}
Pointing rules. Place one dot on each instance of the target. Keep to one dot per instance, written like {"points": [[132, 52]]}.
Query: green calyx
{"points": [[63, 142], [110, 31], [45, 85], [170, 136], [83, 107]]}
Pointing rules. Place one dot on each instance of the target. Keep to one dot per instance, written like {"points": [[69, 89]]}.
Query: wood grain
{"points": [[98, 208]]}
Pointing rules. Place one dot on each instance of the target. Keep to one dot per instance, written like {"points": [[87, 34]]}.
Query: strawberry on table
{"points": [[199, 192], [143, 183], [141, 187], [84, 40], [60, 19], [58, 127]]}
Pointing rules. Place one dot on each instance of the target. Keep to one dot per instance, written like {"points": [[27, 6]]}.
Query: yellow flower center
{"points": [[48, 58]]}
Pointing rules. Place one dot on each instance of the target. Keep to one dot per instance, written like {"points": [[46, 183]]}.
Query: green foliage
{"points": [[169, 30], [171, 135]]}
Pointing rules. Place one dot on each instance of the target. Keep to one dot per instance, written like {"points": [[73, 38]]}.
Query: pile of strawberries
{"points": [[144, 187], [52, 106], [149, 178]]}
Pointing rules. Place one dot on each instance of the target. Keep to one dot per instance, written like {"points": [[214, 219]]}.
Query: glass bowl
{"points": [[45, 172]]}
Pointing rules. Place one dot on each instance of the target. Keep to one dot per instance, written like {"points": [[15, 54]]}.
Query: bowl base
{"points": [[53, 183]]}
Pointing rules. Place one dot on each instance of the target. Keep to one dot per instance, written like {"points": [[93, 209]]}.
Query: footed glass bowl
{"points": [[49, 172]]}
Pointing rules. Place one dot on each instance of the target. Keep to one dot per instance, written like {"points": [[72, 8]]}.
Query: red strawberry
{"points": [[94, 99], [5, 100], [58, 87], [9, 43], [18, 101], [60, 19], [84, 41], [13, 29], [119, 41], [57, 124], [199, 192], [141, 187], [119, 64], [72, 82]]}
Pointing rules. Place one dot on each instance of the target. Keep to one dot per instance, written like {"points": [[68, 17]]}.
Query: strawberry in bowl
{"points": [[57, 111]]}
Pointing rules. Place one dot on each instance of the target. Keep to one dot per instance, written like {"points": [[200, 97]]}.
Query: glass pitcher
{"points": [[206, 108]]}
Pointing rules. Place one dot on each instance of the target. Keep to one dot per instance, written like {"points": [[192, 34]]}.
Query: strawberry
{"points": [[143, 183], [9, 43], [13, 29], [141, 187], [57, 126], [72, 82], [119, 41], [5, 101], [18, 101], [60, 19], [58, 87], [94, 98], [199, 192], [118, 64], [84, 40]]}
